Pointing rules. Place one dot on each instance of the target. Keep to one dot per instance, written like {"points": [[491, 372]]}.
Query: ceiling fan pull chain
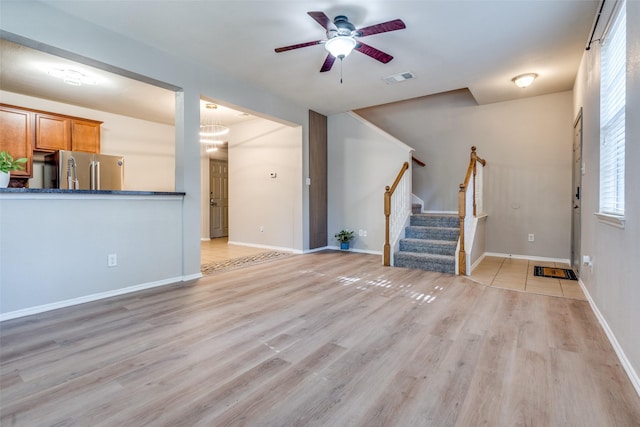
{"points": [[340, 70]]}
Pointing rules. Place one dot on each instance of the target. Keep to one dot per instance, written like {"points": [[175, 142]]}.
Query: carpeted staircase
{"points": [[430, 243]]}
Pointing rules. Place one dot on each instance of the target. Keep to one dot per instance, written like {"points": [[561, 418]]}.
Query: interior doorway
{"points": [[218, 198], [576, 185]]}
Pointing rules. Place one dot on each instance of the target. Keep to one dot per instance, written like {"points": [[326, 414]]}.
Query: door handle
{"points": [[212, 203]]}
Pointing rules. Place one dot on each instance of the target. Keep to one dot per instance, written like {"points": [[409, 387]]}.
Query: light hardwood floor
{"points": [[219, 249], [324, 339]]}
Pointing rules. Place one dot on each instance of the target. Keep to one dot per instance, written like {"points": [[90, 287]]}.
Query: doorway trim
{"points": [[576, 198]]}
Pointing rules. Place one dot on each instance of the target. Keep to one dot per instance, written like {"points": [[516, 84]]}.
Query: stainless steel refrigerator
{"points": [[76, 170]]}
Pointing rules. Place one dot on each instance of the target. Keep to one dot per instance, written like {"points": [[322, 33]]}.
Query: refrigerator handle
{"points": [[97, 175], [92, 175]]}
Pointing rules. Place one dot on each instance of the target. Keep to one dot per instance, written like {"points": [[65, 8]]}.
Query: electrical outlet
{"points": [[531, 237], [261, 229], [112, 260]]}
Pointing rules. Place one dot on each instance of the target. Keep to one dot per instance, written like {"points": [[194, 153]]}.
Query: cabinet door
{"points": [[16, 137], [85, 136], [52, 132]]}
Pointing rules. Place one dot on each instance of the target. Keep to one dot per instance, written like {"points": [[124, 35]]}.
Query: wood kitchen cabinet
{"points": [[47, 131], [56, 132], [16, 136], [52, 132], [85, 135]]}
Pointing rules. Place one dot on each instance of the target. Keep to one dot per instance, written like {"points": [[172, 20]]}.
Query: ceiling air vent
{"points": [[400, 77]]}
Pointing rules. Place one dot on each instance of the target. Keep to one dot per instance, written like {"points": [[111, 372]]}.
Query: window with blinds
{"points": [[612, 115]]}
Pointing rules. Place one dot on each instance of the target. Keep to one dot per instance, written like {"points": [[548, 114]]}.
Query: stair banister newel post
{"points": [[472, 173], [462, 207], [387, 213], [388, 193]]}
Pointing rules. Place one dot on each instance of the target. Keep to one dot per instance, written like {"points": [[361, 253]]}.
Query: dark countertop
{"points": [[87, 192]]}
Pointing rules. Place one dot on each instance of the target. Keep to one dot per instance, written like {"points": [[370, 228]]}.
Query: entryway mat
{"points": [[554, 273]]}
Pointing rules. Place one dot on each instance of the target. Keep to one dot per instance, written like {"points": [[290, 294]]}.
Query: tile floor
{"points": [[517, 274], [219, 249]]}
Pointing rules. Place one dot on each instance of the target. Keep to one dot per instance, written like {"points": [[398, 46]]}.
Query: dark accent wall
{"points": [[318, 176]]}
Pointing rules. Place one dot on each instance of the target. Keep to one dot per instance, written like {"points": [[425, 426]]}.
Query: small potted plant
{"points": [[8, 164], [344, 236]]}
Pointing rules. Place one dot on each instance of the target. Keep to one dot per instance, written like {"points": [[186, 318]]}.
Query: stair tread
{"points": [[433, 227], [431, 241], [426, 255]]}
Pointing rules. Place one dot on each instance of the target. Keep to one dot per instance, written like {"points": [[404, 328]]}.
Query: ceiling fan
{"points": [[341, 38]]}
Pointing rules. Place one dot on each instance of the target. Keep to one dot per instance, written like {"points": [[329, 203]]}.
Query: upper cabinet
{"points": [[52, 132], [16, 136], [85, 135], [23, 131], [58, 132]]}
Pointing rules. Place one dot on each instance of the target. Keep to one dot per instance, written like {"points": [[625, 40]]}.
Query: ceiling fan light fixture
{"points": [[524, 80], [340, 46]]}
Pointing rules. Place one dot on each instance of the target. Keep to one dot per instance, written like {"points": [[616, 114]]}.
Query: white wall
{"points": [[148, 147], [361, 162], [527, 145], [258, 148], [613, 282]]}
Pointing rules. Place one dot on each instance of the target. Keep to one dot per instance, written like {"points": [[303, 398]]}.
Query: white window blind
{"points": [[612, 115]]}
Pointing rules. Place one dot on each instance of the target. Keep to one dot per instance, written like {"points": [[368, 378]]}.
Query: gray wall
{"points": [[258, 148], [612, 283], [361, 161], [527, 180]]}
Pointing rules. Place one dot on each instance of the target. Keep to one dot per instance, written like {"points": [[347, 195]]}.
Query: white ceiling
{"points": [[448, 45]]}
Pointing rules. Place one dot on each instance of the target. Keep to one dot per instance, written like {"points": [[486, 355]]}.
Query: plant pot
{"points": [[4, 179], [344, 246]]}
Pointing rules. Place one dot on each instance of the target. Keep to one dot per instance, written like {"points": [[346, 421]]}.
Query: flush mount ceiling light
{"points": [[72, 77], [340, 46], [524, 80]]}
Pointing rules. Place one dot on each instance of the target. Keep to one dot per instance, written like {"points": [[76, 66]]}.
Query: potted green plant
{"points": [[344, 236], [8, 164]]}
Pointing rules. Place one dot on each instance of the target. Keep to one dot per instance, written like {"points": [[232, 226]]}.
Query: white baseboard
{"points": [[274, 248], [360, 251], [529, 257], [94, 297], [631, 373], [477, 263], [310, 251]]}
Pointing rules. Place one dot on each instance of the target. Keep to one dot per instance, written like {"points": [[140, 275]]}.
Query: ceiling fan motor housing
{"points": [[343, 28]]}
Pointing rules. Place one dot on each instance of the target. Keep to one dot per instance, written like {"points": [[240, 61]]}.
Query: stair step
{"points": [[429, 262], [435, 220], [440, 247], [432, 233]]}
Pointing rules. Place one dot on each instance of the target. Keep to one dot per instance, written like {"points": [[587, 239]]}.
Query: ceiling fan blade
{"points": [[384, 27], [321, 19], [373, 52], [328, 63], [298, 46]]}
